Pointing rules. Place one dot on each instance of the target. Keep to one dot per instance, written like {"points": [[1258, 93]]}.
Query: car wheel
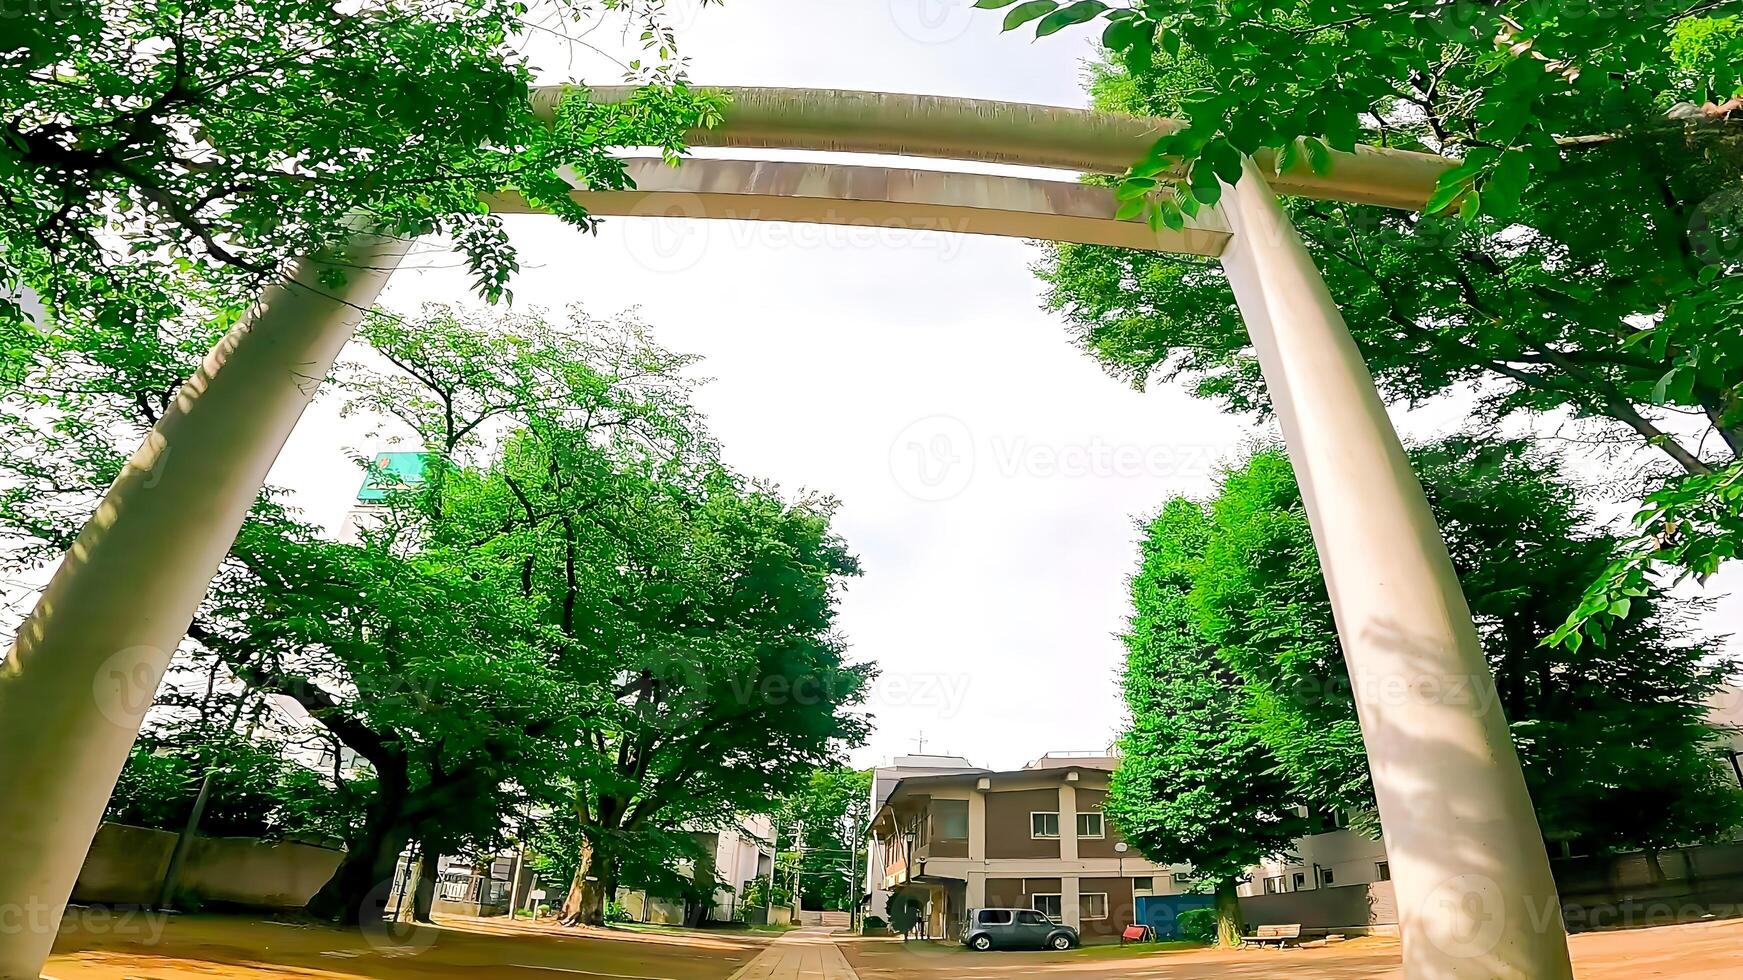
{"points": [[981, 943], [1061, 941]]}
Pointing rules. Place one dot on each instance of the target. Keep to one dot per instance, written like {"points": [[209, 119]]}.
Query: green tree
{"points": [[692, 607], [1534, 83], [1613, 737], [1602, 296], [831, 808], [146, 141], [1196, 782]]}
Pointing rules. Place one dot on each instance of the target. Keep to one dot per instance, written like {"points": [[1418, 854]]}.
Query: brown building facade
{"points": [[1030, 838]]}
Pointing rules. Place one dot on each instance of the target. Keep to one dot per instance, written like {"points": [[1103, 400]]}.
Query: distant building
{"points": [[884, 779], [388, 472], [737, 855], [1032, 838]]}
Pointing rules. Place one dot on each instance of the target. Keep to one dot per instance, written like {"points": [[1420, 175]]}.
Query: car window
{"points": [[995, 917], [1031, 919]]}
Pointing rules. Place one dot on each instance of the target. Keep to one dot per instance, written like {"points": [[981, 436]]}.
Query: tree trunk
{"points": [[585, 904], [357, 893], [1228, 914], [424, 895]]}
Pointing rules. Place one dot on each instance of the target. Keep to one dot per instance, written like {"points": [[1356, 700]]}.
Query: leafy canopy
{"points": [[1613, 737], [143, 140]]}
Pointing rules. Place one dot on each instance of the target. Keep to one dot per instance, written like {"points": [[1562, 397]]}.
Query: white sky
{"points": [[990, 474]]}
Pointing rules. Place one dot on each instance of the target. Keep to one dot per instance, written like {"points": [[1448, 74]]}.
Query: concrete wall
{"points": [[126, 865], [1008, 826], [1120, 909], [1357, 908], [1630, 890]]}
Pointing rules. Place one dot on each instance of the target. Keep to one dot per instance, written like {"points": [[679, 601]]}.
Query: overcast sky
{"points": [[990, 474]]}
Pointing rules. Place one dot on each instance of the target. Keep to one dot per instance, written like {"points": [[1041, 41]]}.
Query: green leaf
{"points": [[1449, 189], [1077, 13], [1028, 11], [993, 4]]}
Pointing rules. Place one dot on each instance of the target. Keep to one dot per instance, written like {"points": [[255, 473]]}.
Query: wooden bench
{"points": [[1281, 935], [1136, 934]]}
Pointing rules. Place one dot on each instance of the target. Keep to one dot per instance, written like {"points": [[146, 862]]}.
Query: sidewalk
{"points": [[803, 954]]}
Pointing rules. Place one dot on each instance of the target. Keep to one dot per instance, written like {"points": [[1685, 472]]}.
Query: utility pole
{"points": [[774, 859], [853, 878], [798, 867], [520, 863]]}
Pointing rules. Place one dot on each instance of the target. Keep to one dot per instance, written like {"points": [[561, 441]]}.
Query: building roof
{"points": [[388, 472]]}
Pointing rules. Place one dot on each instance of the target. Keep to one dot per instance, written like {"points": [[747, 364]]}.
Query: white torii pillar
{"points": [[1475, 895], [75, 686]]}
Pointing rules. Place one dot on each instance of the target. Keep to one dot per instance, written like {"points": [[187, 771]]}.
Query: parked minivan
{"points": [[1015, 929]]}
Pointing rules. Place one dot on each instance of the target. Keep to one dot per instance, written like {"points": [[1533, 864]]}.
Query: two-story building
{"points": [[1029, 838]]}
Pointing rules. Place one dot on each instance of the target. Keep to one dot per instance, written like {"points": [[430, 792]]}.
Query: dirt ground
{"points": [[94, 944], [113, 947], [1699, 951]]}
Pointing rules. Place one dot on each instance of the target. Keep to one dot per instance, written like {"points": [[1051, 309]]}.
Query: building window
{"points": [[1326, 877], [1089, 825], [1382, 871], [950, 819], [1145, 885], [1298, 881], [1051, 906], [1093, 905], [1182, 877], [1274, 886], [1042, 825]]}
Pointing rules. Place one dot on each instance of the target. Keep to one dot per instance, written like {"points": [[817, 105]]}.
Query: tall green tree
{"points": [[1581, 257], [1196, 783], [827, 818], [1613, 737], [693, 607], [143, 141]]}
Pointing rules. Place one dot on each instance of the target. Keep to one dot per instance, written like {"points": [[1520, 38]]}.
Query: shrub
{"points": [[873, 924], [1198, 925], [615, 912]]}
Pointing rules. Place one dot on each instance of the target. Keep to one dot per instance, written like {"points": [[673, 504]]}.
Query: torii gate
{"points": [[1475, 895]]}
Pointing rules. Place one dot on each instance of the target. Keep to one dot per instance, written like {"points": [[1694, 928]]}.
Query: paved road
{"points": [[199, 947], [804, 954], [1696, 951]]}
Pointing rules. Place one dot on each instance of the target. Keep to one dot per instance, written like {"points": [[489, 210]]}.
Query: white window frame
{"points": [[1104, 906], [1059, 896], [1145, 889], [1181, 877], [1044, 813], [1298, 881], [1382, 870], [1274, 885], [1101, 824], [1327, 878]]}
